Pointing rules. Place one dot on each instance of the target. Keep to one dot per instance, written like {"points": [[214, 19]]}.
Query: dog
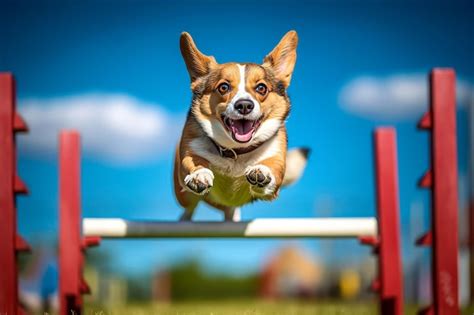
{"points": [[233, 148]]}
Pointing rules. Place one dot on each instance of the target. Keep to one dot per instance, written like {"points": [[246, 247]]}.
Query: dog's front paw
{"points": [[259, 175], [261, 179], [199, 181]]}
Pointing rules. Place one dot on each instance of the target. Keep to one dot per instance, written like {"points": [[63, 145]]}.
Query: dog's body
{"points": [[233, 149]]}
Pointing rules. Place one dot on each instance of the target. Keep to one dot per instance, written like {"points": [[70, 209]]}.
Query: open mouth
{"points": [[242, 130]]}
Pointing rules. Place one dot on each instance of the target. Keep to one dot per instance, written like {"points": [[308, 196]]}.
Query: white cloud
{"points": [[399, 96], [114, 127]]}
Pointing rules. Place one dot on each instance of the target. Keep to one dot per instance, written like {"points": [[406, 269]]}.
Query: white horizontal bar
{"points": [[258, 228]]}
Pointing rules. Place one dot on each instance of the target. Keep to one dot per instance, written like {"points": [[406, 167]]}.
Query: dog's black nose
{"points": [[244, 106]]}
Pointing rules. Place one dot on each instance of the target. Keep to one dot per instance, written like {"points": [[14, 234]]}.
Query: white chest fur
{"points": [[230, 167], [231, 187]]}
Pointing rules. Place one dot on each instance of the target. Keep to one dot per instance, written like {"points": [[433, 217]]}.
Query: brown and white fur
{"points": [[239, 108]]}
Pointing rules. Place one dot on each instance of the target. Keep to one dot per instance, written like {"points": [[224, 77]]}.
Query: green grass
{"points": [[239, 307], [249, 307]]}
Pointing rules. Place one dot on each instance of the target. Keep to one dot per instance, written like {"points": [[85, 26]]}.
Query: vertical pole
{"points": [[471, 199], [445, 192], [70, 247], [390, 264], [9, 273]]}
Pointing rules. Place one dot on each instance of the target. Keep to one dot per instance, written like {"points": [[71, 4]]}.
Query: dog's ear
{"points": [[197, 63], [282, 59]]}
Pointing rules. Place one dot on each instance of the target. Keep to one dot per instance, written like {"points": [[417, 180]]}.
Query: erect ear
{"points": [[282, 59], [197, 63]]}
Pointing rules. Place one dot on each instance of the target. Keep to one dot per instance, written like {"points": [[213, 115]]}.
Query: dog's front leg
{"points": [[196, 175], [265, 178]]}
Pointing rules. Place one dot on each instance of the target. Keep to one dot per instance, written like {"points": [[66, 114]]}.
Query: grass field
{"points": [[248, 307], [240, 307]]}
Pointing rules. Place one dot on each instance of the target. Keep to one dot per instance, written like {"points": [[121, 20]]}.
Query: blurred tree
{"points": [[189, 281]]}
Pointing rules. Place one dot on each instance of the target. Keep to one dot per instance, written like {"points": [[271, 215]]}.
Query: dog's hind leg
{"points": [[189, 203], [187, 215], [232, 214]]}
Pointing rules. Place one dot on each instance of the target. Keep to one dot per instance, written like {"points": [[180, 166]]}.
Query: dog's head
{"points": [[240, 104]]}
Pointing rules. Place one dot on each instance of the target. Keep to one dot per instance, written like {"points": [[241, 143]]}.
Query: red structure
{"points": [[71, 243], [387, 244], [442, 179], [388, 209], [389, 283], [10, 185]]}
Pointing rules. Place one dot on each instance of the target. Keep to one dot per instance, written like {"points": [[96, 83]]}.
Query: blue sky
{"points": [[76, 59]]}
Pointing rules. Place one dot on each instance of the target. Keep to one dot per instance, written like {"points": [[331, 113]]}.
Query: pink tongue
{"points": [[242, 130]]}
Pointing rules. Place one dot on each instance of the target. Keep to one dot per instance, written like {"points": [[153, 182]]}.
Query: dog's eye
{"points": [[223, 88], [261, 89]]}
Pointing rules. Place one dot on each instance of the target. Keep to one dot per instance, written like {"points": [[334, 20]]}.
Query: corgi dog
{"points": [[233, 148]]}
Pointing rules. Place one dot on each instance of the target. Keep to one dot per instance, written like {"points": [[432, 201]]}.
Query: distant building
{"points": [[161, 287], [290, 273]]}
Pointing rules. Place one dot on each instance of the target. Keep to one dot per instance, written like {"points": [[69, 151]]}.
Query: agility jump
{"points": [[76, 234], [258, 228], [382, 232]]}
